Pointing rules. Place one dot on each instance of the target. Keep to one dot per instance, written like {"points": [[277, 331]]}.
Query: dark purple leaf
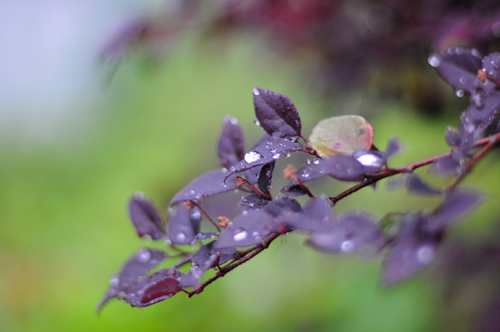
{"points": [[281, 205], [252, 175], [202, 236], [146, 217], [453, 208], [276, 113], [452, 137], [250, 228], [343, 168], [349, 233], [480, 114], [372, 161], [266, 177], [459, 68], [210, 183], [203, 260], [231, 145], [393, 146], [412, 249], [294, 190], [184, 224], [265, 153], [154, 288], [491, 65], [415, 185], [315, 216], [252, 202], [445, 166], [136, 266]]}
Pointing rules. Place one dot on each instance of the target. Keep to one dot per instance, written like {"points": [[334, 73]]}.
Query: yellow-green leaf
{"points": [[341, 134]]}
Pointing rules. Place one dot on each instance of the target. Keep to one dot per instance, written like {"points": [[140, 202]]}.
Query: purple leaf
{"points": [[412, 249], [202, 236], [154, 288], [281, 205], [276, 113], [459, 68], [250, 228], [136, 266], [349, 233], [208, 184], [491, 65], [266, 177], [184, 225], [454, 207], [445, 166], [146, 217], [203, 260], [343, 168], [393, 146], [372, 161], [265, 153], [452, 137], [252, 202], [415, 185], [231, 145], [314, 216]]}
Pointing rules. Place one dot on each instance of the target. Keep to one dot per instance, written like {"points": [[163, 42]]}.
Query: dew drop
{"points": [[234, 121], [181, 237], [257, 123], [370, 160], [273, 150], [256, 91], [434, 60], [191, 192], [114, 281], [144, 255], [256, 236], [347, 246], [425, 254], [316, 161], [276, 156], [463, 80], [196, 214], [240, 236], [139, 195], [252, 156], [460, 93]]}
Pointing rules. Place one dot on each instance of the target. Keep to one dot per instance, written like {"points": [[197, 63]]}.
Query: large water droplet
{"points": [[460, 93], [196, 214], [144, 255], [234, 121], [257, 123], [256, 91], [370, 160], [316, 161], [434, 60], [276, 156], [181, 237], [240, 236], [425, 254], [191, 192], [347, 246], [252, 156]]}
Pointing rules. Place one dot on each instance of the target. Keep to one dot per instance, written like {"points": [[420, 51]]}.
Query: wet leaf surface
{"points": [[276, 113], [184, 224], [315, 216], [231, 146], [146, 217]]}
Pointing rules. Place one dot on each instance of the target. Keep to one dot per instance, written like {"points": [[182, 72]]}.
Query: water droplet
{"points": [[474, 52], [316, 161], [196, 214], [459, 50], [252, 156], [256, 236], [139, 195], [181, 237], [276, 156], [256, 91], [305, 175], [257, 123], [308, 161], [425, 254], [114, 281], [273, 150], [460, 93], [244, 213], [191, 192], [234, 121], [370, 160], [240, 236], [144, 255], [434, 60], [347, 246], [463, 80], [224, 170], [287, 155]]}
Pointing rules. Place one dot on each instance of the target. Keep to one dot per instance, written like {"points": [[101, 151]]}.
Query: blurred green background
{"points": [[64, 228]]}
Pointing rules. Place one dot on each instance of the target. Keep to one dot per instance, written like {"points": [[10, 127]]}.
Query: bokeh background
{"points": [[79, 136]]}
